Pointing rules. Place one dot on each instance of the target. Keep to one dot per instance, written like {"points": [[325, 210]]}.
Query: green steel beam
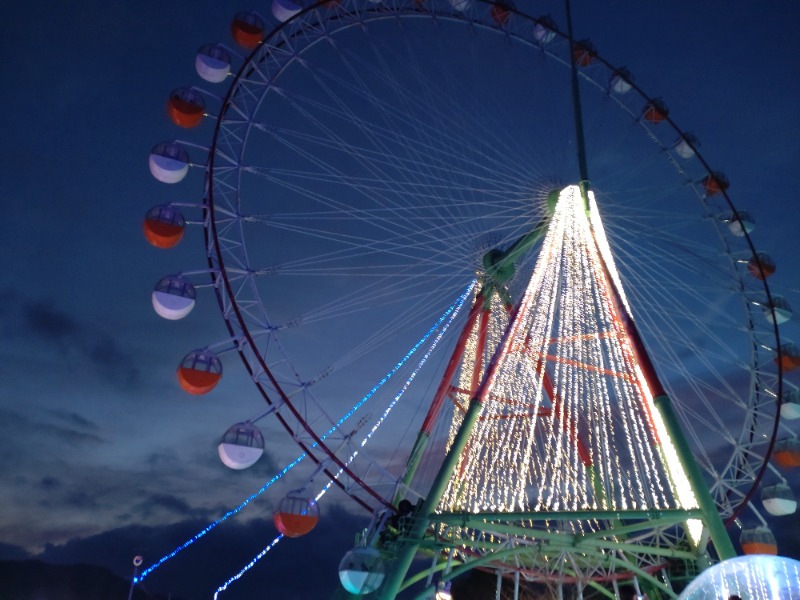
{"points": [[566, 515], [630, 528], [550, 541], [606, 592], [719, 535], [413, 464], [645, 576], [402, 563], [624, 565]]}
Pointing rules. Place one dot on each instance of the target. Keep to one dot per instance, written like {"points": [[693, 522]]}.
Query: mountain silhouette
{"points": [[35, 580]]}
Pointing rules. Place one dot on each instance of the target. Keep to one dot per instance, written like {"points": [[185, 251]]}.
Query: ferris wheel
{"points": [[366, 164]]}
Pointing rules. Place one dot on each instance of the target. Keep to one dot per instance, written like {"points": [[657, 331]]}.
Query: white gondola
{"points": [[283, 10], [740, 223], [544, 30], [778, 311], [779, 500], [685, 146], [241, 446], [461, 5], [620, 82], [362, 570], [790, 405], [173, 297], [169, 162], [213, 63]]}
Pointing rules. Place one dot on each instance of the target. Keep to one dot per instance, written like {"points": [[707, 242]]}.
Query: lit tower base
{"points": [[566, 463]]}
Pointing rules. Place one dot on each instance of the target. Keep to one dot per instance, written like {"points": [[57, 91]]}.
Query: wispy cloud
{"points": [[55, 332]]}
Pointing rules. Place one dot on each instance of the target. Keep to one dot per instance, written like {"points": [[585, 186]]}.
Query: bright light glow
{"points": [[755, 577], [568, 421]]}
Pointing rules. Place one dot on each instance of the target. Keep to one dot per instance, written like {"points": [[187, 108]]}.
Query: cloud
{"points": [[49, 323], [17, 426], [38, 321], [49, 483], [73, 418], [167, 502]]}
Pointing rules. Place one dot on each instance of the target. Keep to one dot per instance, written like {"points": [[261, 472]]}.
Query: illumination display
{"points": [[568, 422], [756, 577]]}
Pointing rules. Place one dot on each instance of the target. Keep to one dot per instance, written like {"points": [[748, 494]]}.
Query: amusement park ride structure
{"points": [[599, 418]]}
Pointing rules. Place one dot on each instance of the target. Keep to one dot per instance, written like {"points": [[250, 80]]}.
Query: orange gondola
{"points": [[199, 372], [297, 515]]}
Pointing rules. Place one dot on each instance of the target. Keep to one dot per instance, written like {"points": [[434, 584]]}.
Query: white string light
{"points": [[568, 397]]}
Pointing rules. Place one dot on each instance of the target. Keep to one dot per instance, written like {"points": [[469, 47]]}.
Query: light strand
{"points": [[212, 525], [248, 566]]}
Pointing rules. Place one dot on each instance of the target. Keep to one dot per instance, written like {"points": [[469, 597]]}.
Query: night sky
{"points": [[104, 456]]}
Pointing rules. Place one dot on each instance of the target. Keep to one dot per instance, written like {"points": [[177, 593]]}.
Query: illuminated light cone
{"points": [[558, 419]]}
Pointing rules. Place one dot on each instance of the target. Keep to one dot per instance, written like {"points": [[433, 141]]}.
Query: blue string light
{"points": [[452, 312], [455, 306], [211, 526]]}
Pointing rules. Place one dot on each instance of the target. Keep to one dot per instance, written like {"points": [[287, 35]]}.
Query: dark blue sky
{"points": [[103, 455]]}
